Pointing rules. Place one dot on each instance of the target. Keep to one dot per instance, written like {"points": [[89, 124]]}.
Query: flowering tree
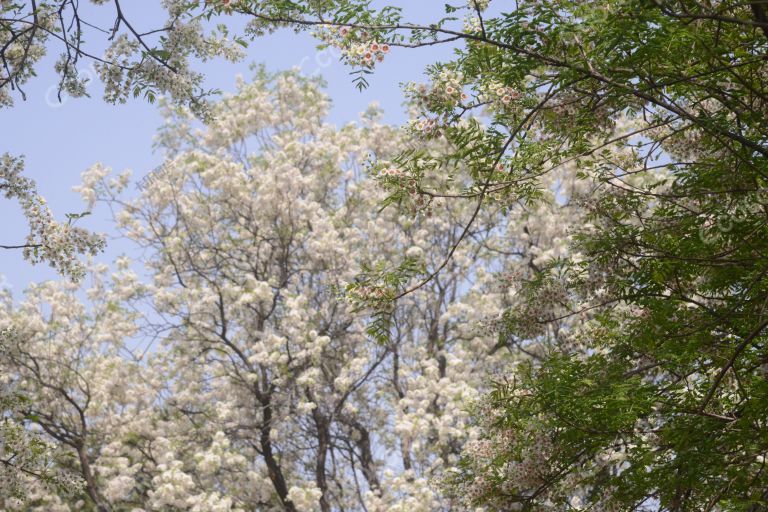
{"points": [[71, 366], [137, 61], [263, 388]]}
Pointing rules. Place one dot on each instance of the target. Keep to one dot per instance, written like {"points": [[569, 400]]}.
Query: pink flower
{"points": [[385, 48], [506, 99], [344, 31], [375, 47]]}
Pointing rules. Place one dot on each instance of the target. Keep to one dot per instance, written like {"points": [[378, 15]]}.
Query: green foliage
{"points": [[377, 287]]}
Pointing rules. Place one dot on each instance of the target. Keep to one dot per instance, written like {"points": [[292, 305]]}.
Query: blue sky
{"points": [[60, 140]]}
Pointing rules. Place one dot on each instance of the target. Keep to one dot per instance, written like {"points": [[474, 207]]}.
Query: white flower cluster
{"points": [[480, 5], [58, 244], [472, 24], [305, 498]]}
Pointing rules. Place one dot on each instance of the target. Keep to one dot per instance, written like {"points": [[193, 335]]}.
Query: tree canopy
{"points": [[600, 165]]}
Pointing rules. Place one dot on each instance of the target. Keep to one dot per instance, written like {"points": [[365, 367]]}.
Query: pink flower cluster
{"points": [[357, 48]]}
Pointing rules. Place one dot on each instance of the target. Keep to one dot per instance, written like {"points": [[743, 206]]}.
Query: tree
{"points": [[138, 61], [70, 365], [262, 388]]}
